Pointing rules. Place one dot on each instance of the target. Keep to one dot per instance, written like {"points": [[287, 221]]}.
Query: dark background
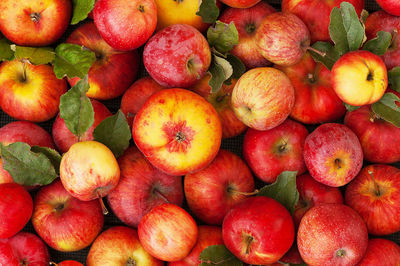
{"points": [[233, 144]]}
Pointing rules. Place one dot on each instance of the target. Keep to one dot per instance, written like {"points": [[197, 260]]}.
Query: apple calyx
{"points": [[35, 17], [311, 78], [376, 186], [141, 9], [338, 163], [340, 253], [59, 207], [130, 262], [250, 28]]}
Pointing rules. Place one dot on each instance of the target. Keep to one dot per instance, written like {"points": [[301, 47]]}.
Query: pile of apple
{"points": [[218, 70]]}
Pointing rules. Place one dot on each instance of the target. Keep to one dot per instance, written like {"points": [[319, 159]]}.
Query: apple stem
{"points": [[377, 190], [249, 239], [103, 207], [323, 54], [161, 195], [394, 36], [231, 190], [52, 263]]}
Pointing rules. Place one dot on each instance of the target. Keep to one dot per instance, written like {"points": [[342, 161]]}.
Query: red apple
{"points": [[258, 230], [247, 21], [64, 138], [136, 95], [390, 6], [29, 92], [119, 246], [333, 154], [240, 3], [381, 252], [332, 234], [316, 14], [282, 38], [375, 195], [270, 152], [16, 208], [214, 190], [141, 188], [208, 236], [64, 222], [168, 232], [112, 72], [263, 98], [291, 257], [177, 56], [67, 263], [316, 101], [23, 249], [34, 23], [125, 24]]}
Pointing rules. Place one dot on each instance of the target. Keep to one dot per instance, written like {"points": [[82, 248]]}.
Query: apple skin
{"points": [[332, 234], [136, 95], [141, 188], [65, 223], [390, 6], [125, 24], [89, 170], [119, 246], [282, 38], [222, 102], [168, 232], [316, 14], [381, 252], [23, 249], [34, 97], [382, 21], [316, 101], [268, 153], [214, 190], [257, 236], [263, 98], [184, 134], [69, 263], [207, 236], [247, 21], [64, 138], [240, 3], [18, 205], [112, 72], [359, 78], [379, 206], [333, 154], [177, 56], [40, 23]]}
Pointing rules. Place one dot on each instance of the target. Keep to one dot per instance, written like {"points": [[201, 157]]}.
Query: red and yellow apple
{"points": [[240, 3]]}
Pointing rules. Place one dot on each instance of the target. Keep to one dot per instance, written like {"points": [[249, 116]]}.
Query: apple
{"points": [[34, 23], [316, 101], [291, 257], [141, 188], [125, 24], [29, 92], [359, 78], [213, 191], [23, 249], [67, 263], [112, 72], [207, 236], [390, 6], [282, 38], [184, 134], [221, 100], [316, 14], [333, 154], [259, 230], [168, 232], [240, 3], [247, 21], [177, 56], [381, 252], [119, 246], [332, 234], [16, 207], [64, 138], [136, 95], [64, 222], [268, 153], [375, 195], [263, 98]]}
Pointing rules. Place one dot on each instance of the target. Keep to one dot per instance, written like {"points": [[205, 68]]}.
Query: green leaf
{"points": [[394, 78], [351, 108], [379, 44], [72, 60], [220, 71], [26, 167], [114, 132], [35, 55], [76, 108], [218, 255], [284, 190], [208, 11], [81, 9], [387, 109], [223, 37], [5, 49], [52, 155], [237, 65], [331, 54]]}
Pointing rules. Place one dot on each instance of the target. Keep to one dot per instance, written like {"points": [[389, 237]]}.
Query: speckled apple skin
{"points": [[381, 252]]}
